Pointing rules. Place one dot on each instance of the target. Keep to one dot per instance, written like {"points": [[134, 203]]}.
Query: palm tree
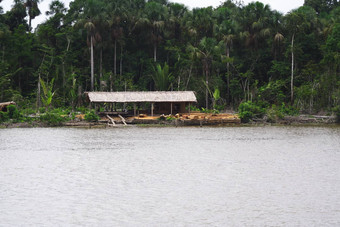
{"points": [[255, 19], [206, 51], [116, 35], [90, 12], [33, 11], [296, 22], [155, 17], [225, 30], [161, 77]]}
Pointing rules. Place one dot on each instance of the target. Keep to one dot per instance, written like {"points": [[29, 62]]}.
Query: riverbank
{"points": [[196, 119]]}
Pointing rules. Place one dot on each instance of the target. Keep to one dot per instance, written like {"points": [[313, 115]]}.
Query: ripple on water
{"points": [[274, 176]]}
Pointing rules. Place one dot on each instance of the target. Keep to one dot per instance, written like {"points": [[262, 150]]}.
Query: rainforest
{"points": [[232, 56]]}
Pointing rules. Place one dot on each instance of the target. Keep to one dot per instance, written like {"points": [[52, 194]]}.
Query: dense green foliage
{"points": [[229, 55], [52, 119], [12, 114], [3, 117], [91, 116], [249, 110]]}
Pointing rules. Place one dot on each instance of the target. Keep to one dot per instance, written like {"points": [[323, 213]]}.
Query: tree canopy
{"points": [[245, 52]]}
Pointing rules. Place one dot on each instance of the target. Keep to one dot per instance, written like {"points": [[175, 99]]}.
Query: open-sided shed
{"points": [[4, 105], [162, 102]]}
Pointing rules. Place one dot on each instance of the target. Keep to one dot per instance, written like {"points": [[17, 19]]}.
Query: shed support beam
{"points": [[189, 107], [134, 109], [152, 108], [171, 108]]}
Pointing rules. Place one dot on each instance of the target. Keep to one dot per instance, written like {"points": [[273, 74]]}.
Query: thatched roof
{"points": [[143, 96]]}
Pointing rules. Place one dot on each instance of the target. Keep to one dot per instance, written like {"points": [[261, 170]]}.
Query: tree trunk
{"points": [[190, 70], [179, 82], [101, 69], [228, 75], [64, 81], [155, 52], [121, 61], [3, 54], [206, 91], [115, 59], [38, 94], [292, 74], [29, 19], [79, 102], [92, 65], [111, 82], [63, 62]]}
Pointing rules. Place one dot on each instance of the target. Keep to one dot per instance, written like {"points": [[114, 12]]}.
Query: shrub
{"points": [[91, 116], [249, 110], [246, 116], [193, 108], [82, 109], [336, 110], [3, 117], [204, 110], [288, 110], [170, 118], [42, 110], [219, 107], [274, 114], [52, 119], [28, 111], [13, 112], [61, 111]]}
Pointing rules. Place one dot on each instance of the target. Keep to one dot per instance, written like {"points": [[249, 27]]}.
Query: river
{"points": [[190, 176]]}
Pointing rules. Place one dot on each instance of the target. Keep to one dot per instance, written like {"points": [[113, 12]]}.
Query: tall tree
{"points": [[296, 22], [89, 12], [322, 5], [206, 51], [33, 11], [155, 16]]}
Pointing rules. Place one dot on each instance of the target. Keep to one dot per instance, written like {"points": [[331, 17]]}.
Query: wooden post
{"points": [[134, 109], [152, 107], [171, 108], [189, 107], [111, 119], [122, 118]]}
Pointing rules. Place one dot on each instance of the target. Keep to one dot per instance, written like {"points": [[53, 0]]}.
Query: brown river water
{"points": [[135, 176]]}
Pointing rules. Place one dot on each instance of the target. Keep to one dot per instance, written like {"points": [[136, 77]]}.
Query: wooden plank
{"points": [[122, 118], [111, 119]]}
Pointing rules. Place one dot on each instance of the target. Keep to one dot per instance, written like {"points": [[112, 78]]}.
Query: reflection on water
{"points": [[262, 176]]}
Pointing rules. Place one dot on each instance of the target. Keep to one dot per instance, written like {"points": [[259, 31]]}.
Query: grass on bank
{"points": [[248, 111], [53, 117]]}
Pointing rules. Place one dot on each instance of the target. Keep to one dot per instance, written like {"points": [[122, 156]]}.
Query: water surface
{"points": [[257, 176]]}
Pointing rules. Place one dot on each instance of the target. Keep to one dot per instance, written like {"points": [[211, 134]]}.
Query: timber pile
{"points": [[189, 119]]}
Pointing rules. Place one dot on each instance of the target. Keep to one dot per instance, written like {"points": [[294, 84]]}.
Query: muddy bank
{"points": [[197, 119], [298, 120]]}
